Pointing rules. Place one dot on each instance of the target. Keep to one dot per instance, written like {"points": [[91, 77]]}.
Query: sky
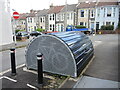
{"points": [[24, 6]]}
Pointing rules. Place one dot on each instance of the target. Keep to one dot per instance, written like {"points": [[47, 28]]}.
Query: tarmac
{"points": [[101, 73]]}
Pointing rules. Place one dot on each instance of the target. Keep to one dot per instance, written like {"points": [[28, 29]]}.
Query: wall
{"points": [[5, 24], [105, 19]]}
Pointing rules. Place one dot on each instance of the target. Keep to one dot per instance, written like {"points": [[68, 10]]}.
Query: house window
{"points": [[109, 10], [82, 13], [58, 17], [50, 27], [92, 13], [50, 17], [98, 13], [62, 16], [81, 23], [114, 12], [41, 20], [53, 17], [68, 16], [85, 24], [108, 23], [31, 20], [104, 11], [103, 23], [34, 20], [113, 23], [53, 27], [71, 16]]}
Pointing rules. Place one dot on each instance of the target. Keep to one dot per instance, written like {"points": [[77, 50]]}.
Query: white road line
{"points": [[31, 86], [1, 77], [8, 78], [1, 73], [96, 43], [27, 70]]}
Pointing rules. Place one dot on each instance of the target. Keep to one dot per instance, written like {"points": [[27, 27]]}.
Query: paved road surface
{"points": [[105, 65], [5, 61]]}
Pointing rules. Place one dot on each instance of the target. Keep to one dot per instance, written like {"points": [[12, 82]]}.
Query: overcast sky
{"points": [[23, 6]]}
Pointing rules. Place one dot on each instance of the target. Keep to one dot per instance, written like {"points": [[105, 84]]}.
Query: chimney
{"points": [[31, 11], [51, 5]]}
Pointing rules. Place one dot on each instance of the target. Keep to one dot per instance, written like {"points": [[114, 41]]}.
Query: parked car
{"points": [[35, 33], [22, 34]]}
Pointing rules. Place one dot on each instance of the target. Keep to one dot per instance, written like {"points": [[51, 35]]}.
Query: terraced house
{"points": [[70, 19], [31, 20], [95, 14], [52, 17], [42, 19]]}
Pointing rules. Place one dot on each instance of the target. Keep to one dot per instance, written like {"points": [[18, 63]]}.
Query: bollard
{"points": [[40, 68], [13, 64]]}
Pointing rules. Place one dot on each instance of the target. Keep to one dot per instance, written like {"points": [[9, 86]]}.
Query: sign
{"points": [[16, 15]]}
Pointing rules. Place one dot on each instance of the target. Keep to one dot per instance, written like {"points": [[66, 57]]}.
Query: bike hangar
{"points": [[64, 53]]}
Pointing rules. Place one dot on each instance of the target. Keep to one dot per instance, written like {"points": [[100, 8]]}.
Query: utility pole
{"points": [[65, 20]]}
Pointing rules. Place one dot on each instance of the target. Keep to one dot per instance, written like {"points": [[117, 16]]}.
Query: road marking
{"points": [[1, 73], [1, 77], [96, 43], [8, 78], [31, 86], [27, 70]]}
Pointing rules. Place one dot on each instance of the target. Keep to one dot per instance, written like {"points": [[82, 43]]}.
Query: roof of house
{"points": [[31, 15], [55, 9], [42, 12], [71, 7], [93, 4], [23, 16]]}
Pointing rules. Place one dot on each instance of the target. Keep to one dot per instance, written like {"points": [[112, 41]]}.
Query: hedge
{"points": [[40, 30], [107, 27], [18, 30], [80, 26]]}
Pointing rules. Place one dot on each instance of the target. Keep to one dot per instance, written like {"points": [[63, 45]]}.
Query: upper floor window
{"points": [[92, 13], [98, 12], [43, 19], [31, 20], [71, 16], [68, 16], [109, 10], [114, 9], [104, 12], [82, 13], [40, 19], [58, 17], [53, 17]]}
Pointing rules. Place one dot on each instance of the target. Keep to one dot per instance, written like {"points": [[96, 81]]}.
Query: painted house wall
{"points": [[5, 23], [103, 18], [52, 22], [42, 22], [31, 24], [83, 19], [70, 20]]}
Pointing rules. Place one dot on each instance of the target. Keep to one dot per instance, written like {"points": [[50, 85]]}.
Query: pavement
{"points": [[13, 45], [103, 71]]}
